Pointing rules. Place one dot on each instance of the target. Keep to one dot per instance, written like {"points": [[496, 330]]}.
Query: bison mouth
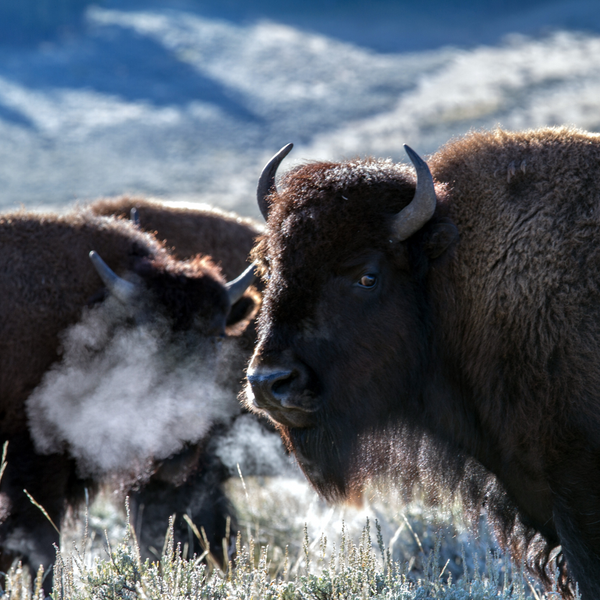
{"points": [[290, 418], [325, 441]]}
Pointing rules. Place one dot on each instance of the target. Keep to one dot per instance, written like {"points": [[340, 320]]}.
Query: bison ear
{"points": [[240, 310], [439, 238]]}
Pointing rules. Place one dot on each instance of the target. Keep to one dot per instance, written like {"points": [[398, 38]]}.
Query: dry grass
{"points": [[292, 546]]}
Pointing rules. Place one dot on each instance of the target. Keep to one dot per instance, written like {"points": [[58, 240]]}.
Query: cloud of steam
{"points": [[256, 449], [123, 395]]}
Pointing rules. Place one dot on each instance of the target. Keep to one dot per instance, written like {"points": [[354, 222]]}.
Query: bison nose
{"points": [[280, 388], [268, 388]]}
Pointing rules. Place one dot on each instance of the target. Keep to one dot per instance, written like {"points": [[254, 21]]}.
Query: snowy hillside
{"points": [[188, 105]]}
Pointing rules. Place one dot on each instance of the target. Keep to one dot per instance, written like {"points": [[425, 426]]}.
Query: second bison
{"points": [[56, 307], [190, 483]]}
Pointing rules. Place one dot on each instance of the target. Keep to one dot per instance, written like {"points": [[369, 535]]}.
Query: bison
{"points": [[50, 293], [445, 329], [191, 482]]}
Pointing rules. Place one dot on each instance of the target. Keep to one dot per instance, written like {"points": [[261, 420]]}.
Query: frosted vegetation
{"points": [[291, 546], [341, 553]]}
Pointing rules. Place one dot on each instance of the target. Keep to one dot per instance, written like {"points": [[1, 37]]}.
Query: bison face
{"points": [[345, 369], [344, 333]]}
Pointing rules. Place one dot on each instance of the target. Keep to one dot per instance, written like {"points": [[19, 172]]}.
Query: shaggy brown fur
{"points": [[474, 360], [47, 280], [187, 232]]}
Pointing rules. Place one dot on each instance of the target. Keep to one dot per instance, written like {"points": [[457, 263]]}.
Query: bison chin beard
{"points": [[329, 461]]}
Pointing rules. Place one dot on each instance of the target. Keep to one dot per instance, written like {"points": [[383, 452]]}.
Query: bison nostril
{"points": [[281, 386], [263, 385], [279, 389]]}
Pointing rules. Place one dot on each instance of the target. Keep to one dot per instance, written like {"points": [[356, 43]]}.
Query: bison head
{"points": [[346, 335], [153, 350], [192, 294]]}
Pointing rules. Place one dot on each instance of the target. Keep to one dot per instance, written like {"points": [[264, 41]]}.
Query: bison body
{"points": [[459, 347], [49, 289], [186, 232]]}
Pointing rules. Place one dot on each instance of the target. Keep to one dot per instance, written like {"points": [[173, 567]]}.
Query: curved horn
{"points": [[266, 182], [238, 286], [122, 289], [412, 217], [134, 216]]}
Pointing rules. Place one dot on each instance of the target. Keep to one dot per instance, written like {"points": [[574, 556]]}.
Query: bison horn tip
{"points": [[266, 182], [122, 289], [134, 216]]}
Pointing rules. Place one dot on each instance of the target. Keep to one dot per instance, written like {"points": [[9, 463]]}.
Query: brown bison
{"points": [[57, 305], [445, 329], [191, 482]]}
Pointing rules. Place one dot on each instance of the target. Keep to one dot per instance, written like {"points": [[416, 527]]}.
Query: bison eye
{"points": [[367, 281]]}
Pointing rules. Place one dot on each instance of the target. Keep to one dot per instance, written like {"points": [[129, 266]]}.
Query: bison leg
{"points": [[26, 534], [581, 547]]}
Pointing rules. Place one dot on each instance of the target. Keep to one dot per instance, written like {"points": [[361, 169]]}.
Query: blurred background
{"points": [[186, 99]]}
